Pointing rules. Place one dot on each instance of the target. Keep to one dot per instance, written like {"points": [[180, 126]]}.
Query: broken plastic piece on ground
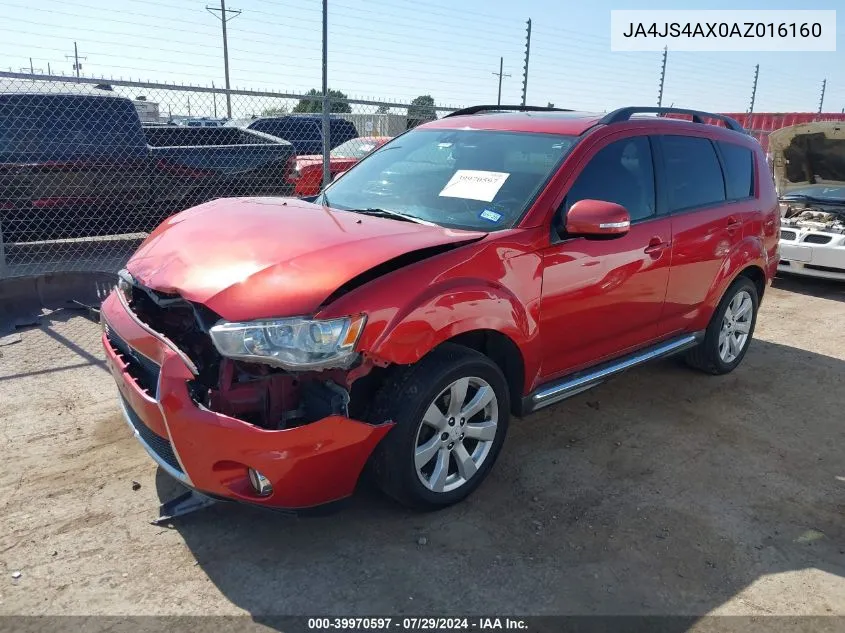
{"points": [[186, 503]]}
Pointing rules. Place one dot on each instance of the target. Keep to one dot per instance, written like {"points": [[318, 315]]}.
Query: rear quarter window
{"points": [[57, 127], [303, 130], [692, 173], [739, 170]]}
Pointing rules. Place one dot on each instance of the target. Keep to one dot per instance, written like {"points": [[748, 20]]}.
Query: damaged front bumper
{"points": [[307, 466]]}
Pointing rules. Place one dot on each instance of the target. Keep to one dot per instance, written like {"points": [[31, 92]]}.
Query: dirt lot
{"points": [[663, 492]]}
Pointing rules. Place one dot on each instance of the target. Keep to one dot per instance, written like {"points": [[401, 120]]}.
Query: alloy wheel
{"points": [[736, 326], [456, 434]]}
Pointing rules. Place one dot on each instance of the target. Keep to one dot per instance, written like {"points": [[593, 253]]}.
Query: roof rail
{"points": [[624, 114], [504, 108]]}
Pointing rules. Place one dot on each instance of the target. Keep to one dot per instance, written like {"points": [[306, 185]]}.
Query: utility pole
{"points": [[327, 177], [754, 88], [76, 65], [662, 78], [215, 100], [32, 68], [525, 68], [500, 75], [224, 17], [821, 99], [49, 71]]}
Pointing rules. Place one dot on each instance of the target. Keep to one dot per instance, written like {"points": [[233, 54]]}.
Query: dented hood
{"points": [[809, 153], [252, 258]]}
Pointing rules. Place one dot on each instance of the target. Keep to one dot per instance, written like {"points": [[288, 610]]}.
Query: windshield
{"points": [[354, 148], [469, 179], [832, 193]]}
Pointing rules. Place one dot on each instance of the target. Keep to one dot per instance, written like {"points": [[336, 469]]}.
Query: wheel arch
{"points": [[747, 259], [756, 274], [503, 351]]}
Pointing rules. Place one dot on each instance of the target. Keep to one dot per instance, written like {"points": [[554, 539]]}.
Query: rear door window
{"points": [[692, 173], [739, 170]]}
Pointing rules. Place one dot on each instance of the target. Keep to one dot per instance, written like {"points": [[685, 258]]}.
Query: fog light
{"points": [[260, 483]]}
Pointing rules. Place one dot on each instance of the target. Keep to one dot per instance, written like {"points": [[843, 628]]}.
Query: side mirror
{"points": [[339, 174], [597, 218]]}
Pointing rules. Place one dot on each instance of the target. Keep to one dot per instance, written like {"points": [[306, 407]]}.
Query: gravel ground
{"points": [[664, 491]]}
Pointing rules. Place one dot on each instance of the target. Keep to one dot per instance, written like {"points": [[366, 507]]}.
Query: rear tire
{"points": [[451, 411], [730, 330]]}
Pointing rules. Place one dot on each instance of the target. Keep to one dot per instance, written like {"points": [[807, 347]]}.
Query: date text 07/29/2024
{"points": [[418, 624]]}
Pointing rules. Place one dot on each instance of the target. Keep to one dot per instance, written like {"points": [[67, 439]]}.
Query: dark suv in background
{"points": [[303, 131]]}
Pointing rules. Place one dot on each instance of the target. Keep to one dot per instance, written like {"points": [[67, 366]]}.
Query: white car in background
{"points": [[808, 163]]}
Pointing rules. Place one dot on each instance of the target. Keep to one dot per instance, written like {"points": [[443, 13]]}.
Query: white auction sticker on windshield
{"points": [[472, 184]]}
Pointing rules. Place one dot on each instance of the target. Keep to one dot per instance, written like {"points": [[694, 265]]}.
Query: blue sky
{"points": [[398, 49]]}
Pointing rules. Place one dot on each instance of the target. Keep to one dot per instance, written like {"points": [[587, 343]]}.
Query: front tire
{"points": [[730, 330], [451, 411]]}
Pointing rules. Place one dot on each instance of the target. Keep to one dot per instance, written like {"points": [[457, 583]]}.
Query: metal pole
{"points": [[326, 105], [76, 66], [499, 98], [662, 77], [525, 69], [31, 69], [215, 101], [224, 17], [754, 89], [49, 71], [226, 58], [4, 270], [821, 99], [501, 74]]}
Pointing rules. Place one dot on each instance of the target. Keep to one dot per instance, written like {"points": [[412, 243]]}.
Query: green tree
{"points": [[276, 111], [383, 109], [421, 110], [316, 105]]}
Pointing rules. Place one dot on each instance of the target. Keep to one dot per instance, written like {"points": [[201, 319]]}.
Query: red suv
{"points": [[484, 265]]}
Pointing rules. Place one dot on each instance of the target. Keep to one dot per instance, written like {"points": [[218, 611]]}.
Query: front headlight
{"points": [[124, 284], [295, 343]]}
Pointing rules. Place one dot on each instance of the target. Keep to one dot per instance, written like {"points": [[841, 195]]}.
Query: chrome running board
{"points": [[573, 384]]}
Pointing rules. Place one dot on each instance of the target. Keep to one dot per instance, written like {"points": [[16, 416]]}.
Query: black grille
{"points": [[788, 235], [144, 371], [183, 323], [813, 238], [158, 444]]}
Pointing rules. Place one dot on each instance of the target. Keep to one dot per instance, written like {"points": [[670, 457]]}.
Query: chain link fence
{"points": [[89, 167]]}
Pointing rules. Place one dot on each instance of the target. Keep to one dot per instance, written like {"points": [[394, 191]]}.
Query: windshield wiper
{"points": [[386, 213]]}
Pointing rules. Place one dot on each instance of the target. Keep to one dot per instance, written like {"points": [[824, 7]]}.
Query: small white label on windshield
{"points": [[472, 184]]}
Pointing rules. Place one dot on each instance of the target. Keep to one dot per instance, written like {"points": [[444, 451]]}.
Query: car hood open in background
{"points": [[810, 153], [252, 258]]}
